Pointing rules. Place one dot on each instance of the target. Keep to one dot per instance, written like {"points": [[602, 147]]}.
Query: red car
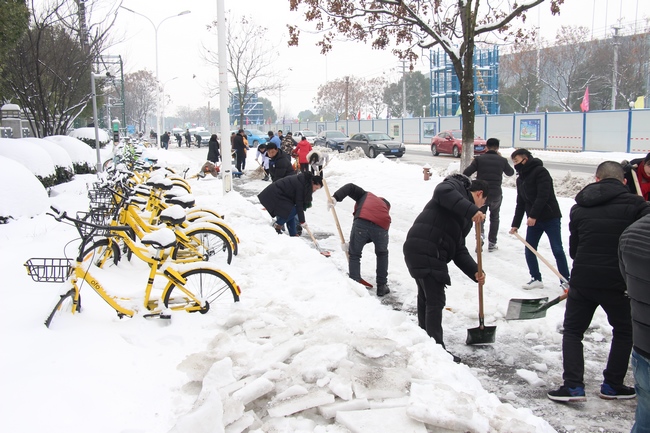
{"points": [[451, 141]]}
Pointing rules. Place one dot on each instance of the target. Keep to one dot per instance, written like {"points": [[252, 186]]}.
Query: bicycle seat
{"points": [[160, 239], [161, 183], [185, 201], [174, 215]]}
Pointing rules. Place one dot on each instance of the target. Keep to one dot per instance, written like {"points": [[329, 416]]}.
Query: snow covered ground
{"points": [[306, 349]]}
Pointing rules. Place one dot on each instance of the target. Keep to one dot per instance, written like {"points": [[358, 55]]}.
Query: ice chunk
{"points": [[291, 392], [280, 408], [380, 421], [329, 410], [241, 424], [530, 377], [379, 382], [254, 390]]}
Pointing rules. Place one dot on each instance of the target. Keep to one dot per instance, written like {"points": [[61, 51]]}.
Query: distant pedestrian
{"points": [[288, 198], [436, 238], [288, 143], [317, 160], [536, 198], [603, 210], [164, 140], [214, 155], [280, 136], [634, 256], [261, 153], [491, 167], [239, 146], [370, 225], [188, 138], [179, 139], [198, 139], [274, 139]]}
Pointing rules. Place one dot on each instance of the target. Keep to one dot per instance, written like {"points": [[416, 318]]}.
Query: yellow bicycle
{"points": [[190, 287]]}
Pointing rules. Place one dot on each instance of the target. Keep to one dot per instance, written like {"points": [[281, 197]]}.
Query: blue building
{"points": [[253, 110]]}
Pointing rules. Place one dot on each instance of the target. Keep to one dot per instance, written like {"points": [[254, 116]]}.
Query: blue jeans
{"points": [[290, 221], [534, 234], [641, 368], [364, 232]]}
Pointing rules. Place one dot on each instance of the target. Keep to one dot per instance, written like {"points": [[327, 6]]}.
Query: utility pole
{"points": [[403, 88], [347, 95], [616, 43]]}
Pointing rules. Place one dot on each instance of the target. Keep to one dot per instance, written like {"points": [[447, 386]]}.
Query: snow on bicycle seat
{"points": [[160, 182], [160, 239], [173, 215], [186, 200]]}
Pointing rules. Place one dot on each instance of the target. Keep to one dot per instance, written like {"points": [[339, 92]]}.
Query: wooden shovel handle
{"points": [[479, 262], [635, 178], [539, 256], [336, 219]]}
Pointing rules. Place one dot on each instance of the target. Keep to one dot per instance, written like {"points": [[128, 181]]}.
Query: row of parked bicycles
{"points": [[146, 213]]}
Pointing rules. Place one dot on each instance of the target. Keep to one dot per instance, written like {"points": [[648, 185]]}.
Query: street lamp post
{"points": [[155, 29], [163, 101]]}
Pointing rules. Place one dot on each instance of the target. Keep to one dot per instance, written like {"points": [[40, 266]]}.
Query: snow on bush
{"points": [[23, 195], [32, 156], [87, 135], [83, 157], [62, 162]]}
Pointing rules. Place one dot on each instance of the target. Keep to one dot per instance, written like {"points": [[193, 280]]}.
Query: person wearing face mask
{"points": [[639, 168], [536, 198]]}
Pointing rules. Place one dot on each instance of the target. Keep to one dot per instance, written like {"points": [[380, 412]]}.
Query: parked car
{"points": [[332, 140], [310, 135], [374, 143], [451, 141], [255, 137]]}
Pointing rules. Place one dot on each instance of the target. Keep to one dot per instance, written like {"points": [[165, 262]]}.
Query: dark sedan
{"points": [[331, 139], [451, 142], [375, 143]]}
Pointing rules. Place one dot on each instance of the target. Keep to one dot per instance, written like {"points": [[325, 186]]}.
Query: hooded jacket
{"points": [[535, 193], [280, 197], [280, 166], [603, 210], [490, 167], [438, 233], [634, 257]]}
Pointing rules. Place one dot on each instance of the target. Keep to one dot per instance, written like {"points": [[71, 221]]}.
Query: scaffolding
{"points": [[445, 86]]}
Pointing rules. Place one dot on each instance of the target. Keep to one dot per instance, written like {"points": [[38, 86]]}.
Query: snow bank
{"points": [[21, 193], [29, 154]]}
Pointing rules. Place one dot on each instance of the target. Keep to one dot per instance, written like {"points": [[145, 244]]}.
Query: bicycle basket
{"points": [[100, 217], [101, 199], [50, 270]]}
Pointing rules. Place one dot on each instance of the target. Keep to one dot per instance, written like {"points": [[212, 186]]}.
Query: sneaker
{"points": [[568, 395], [382, 290], [618, 392], [278, 228], [457, 359], [492, 247], [364, 283], [533, 284]]}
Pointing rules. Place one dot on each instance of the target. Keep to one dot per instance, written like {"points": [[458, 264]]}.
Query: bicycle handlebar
{"points": [[62, 215]]}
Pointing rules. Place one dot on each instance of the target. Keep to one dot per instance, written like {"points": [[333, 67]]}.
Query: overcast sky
{"points": [[303, 68]]}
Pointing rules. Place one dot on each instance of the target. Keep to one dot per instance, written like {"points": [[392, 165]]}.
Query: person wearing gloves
{"points": [[316, 160], [288, 198], [370, 224], [261, 152], [436, 238]]}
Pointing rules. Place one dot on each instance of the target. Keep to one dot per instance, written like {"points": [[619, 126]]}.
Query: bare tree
{"points": [[330, 99], [48, 72], [375, 95], [519, 86], [249, 62], [408, 26], [564, 68], [140, 96]]}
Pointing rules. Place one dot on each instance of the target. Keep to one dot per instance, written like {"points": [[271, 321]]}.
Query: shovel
{"points": [[525, 309], [483, 334], [323, 252], [336, 219]]}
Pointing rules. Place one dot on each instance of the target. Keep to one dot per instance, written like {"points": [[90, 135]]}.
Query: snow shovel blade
{"points": [[525, 309], [481, 335]]}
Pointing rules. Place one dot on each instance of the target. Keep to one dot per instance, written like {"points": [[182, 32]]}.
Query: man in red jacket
{"points": [[371, 223]]}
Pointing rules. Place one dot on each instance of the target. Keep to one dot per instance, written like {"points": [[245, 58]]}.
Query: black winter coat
{"points": [[535, 193], [213, 151], [602, 211], [280, 197], [280, 166], [239, 146], [634, 257], [490, 167], [438, 233]]}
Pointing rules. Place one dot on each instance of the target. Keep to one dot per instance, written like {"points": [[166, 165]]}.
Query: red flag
{"points": [[369, 116], [359, 114], [584, 105]]}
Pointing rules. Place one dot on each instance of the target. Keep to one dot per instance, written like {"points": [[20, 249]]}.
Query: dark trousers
{"points": [[364, 232], [493, 204], [240, 163], [431, 302], [534, 234], [580, 308]]}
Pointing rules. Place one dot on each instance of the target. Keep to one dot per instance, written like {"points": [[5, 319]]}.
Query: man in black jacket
{"points": [[491, 167], [371, 223], [438, 237], [603, 210], [634, 256], [279, 162], [288, 198], [239, 148], [536, 197]]}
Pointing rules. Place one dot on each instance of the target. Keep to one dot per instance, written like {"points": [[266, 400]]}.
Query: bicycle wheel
{"points": [[207, 243], [65, 304], [217, 221], [103, 251], [209, 287]]}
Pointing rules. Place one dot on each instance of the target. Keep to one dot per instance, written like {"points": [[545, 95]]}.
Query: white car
{"points": [[310, 135]]}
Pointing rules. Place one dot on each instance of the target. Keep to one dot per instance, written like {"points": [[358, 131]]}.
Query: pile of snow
{"points": [[88, 134], [79, 152], [28, 153], [22, 194], [59, 156]]}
